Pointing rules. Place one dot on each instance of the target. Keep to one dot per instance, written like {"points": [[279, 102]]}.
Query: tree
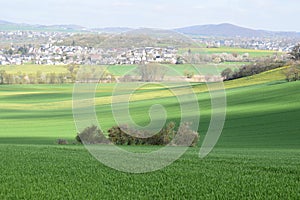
{"points": [[295, 53], [179, 60], [52, 78], [61, 78], [91, 135], [23, 50], [10, 52], [40, 77], [9, 78], [227, 74], [2, 75], [292, 73], [152, 72], [189, 74]]}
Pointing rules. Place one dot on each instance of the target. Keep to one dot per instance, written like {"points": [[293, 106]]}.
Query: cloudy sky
{"points": [[259, 14]]}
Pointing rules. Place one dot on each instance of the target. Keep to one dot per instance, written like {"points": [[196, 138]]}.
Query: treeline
{"points": [[291, 73], [37, 78], [88, 74], [123, 135], [251, 69]]}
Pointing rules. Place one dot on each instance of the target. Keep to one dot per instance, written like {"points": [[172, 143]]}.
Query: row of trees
{"points": [[87, 74], [37, 78], [250, 70], [217, 58], [145, 73], [291, 73]]}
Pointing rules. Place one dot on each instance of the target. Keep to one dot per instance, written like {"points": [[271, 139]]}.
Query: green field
{"points": [[180, 70], [230, 50], [33, 69], [119, 70], [257, 156]]}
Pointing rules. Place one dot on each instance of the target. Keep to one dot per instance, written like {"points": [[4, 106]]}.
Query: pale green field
{"points": [[118, 70], [33, 69], [240, 51], [257, 156]]}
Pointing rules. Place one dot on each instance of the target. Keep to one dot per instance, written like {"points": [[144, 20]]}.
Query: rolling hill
{"points": [[257, 156], [230, 30], [217, 30]]}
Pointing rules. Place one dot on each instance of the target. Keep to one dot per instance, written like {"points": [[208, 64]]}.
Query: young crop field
{"points": [[231, 50], [54, 172], [256, 157], [119, 70], [33, 69], [179, 70]]}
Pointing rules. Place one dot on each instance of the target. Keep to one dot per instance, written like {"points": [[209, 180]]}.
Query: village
{"points": [[17, 48], [63, 55]]}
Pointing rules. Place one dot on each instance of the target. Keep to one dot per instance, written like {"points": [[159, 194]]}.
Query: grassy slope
{"points": [[49, 106], [118, 70], [39, 172], [33, 69], [251, 52], [257, 156]]}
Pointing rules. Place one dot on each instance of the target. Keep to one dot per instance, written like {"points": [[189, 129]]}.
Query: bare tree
{"points": [[2, 75], [152, 72], [295, 53], [292, 73]]}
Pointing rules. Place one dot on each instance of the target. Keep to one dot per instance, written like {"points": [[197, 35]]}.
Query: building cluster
{"points": [[61, 55], [274, 44], [148, 55], [14, 52]]}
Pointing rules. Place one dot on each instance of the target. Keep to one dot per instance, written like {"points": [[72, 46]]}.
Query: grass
{"points": [[230, 50], [272, 77], [72, 173], [205, 69], [257, 156], [179, 70], [119, 70], [33, 69]]}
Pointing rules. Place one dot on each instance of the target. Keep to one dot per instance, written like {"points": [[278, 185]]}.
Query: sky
{"points": [[275, 15]]}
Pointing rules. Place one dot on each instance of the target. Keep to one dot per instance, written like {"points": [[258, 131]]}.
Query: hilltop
{"points": [[230, 30], [217, 30]]}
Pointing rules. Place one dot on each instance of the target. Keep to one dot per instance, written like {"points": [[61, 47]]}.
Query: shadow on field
{"points": [[28, 140]]}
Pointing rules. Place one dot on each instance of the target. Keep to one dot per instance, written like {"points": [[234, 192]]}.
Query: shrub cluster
{"points": [[91, 135], [250, 70], [62, 142], [184, 135], [120, 135], [292, 73], [124, 135]]}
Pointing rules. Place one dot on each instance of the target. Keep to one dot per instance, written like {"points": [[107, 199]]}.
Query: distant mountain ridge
{"points": [[230, 30], [112, 29], [225, 30], [217, 30]]}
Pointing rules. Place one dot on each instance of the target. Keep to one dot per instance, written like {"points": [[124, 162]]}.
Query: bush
{"points": [[292, 73], [252, 69], [62, 142], [91, 135], [184, 135], [119, 135]]}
